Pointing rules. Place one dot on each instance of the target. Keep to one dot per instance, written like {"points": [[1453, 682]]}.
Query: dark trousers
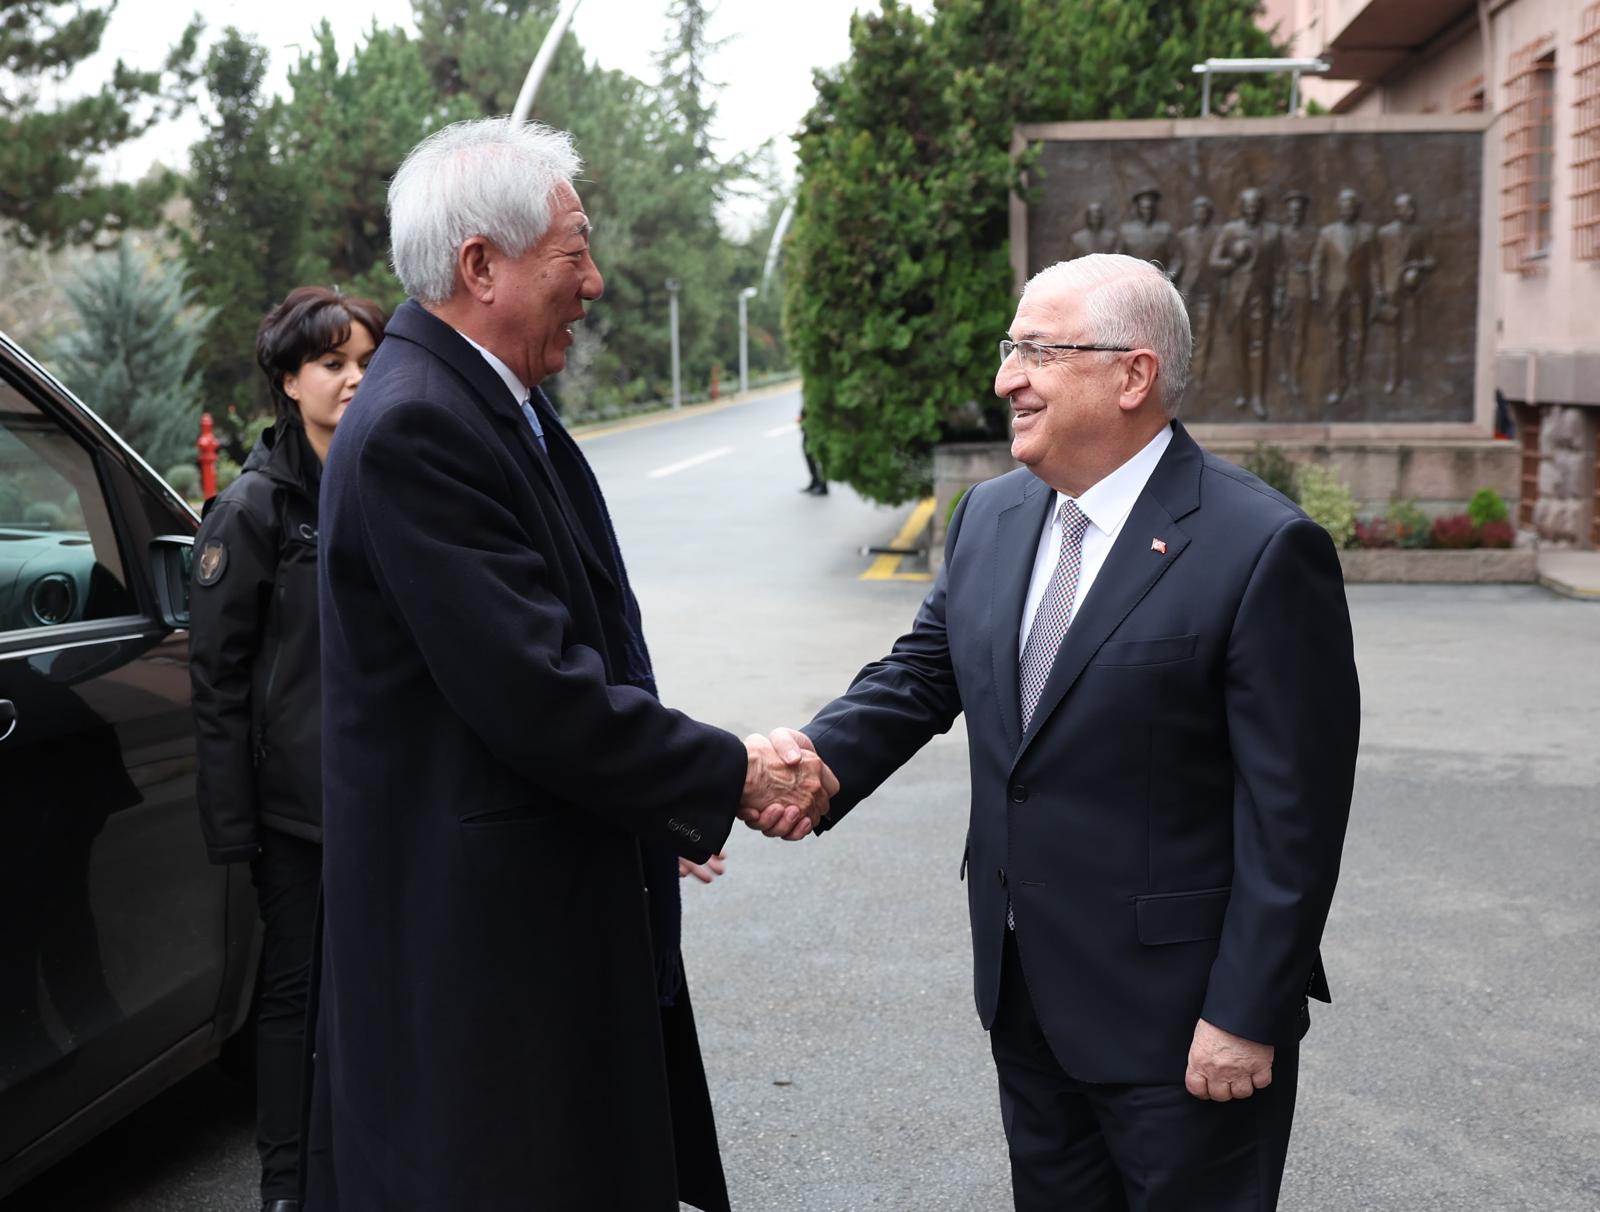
{"points": [[1081, 1147], [287, 874]]}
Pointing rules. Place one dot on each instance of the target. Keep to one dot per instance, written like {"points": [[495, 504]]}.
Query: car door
{"points": [[112, 923]]}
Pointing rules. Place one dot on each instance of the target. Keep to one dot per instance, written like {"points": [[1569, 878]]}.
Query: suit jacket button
{"points": [[1019, 794], [1002, 874]]}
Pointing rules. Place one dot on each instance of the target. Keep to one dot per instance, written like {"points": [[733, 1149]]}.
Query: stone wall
{"points": [[1439, 476], [1564, 513]]}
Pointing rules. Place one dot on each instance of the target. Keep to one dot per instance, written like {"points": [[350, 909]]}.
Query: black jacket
{"points": [[488, 776], [254, 659]]}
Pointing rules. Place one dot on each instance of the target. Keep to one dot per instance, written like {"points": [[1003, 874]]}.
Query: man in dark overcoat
{"points": [[1153, 654], [490, 1036]]}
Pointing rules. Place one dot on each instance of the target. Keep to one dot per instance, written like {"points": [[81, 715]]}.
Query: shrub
{"points": [[1497, 533], [185, 480], [951, 512], [1374, 532], [1454, 532], [1272, 467], [1410, 526], [1327, 502], [1487, 506]]}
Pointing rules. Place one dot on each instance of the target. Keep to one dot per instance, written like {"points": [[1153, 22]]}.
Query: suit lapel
{"points": [[412, 322], [1130, 571], [1016, 542]]}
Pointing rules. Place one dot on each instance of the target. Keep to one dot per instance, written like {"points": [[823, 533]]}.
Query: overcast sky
{"points": [[766, 66]]}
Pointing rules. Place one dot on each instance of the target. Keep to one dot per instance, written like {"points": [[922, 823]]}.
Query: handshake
{"points": [[786, 785]]}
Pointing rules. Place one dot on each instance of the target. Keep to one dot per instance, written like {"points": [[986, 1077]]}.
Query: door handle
{"points": [[8, 718]]}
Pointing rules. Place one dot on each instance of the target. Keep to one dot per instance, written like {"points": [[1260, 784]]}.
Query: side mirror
{"points": [[171, 565]]}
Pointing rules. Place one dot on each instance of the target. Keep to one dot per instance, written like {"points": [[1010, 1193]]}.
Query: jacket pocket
{"points": [[1181, 917], [521, 814], [1147, 652]]}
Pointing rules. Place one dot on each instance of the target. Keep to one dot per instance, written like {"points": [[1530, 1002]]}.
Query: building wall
{"points": [[1542, 323]]}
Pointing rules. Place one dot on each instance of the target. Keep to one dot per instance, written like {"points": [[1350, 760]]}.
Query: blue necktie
{"points": [[533, 421]]}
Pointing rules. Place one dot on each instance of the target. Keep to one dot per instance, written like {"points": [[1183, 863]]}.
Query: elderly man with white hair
{"points": [[493, 1030], [1153, 653]]}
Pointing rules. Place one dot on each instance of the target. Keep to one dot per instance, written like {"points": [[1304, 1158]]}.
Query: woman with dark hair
{"points": [[256, 671]]}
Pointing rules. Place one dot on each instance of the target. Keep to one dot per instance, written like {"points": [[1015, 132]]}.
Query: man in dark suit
{"points": [[490, 1034], [1153, 654]]}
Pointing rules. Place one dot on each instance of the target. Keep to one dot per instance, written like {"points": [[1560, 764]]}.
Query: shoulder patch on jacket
{"points": [[213, 562]]}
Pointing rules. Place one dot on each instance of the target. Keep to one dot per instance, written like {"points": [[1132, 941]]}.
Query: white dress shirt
{"points": [[518, 389], [1107, 505]]}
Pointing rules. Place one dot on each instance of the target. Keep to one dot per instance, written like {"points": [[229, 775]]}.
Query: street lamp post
{"points": [[745, 295], [677, 386], [541, 62]]}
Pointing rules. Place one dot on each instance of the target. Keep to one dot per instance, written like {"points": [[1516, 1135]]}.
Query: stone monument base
{"points": [[1439, 474]]}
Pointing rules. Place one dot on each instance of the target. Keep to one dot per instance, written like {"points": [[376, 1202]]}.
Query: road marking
{"points": [[782, 430], [674, 468], [887, 567], [666, 415]]}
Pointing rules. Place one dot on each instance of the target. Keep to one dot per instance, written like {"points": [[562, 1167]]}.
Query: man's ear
{"points": [[475, 266], [1138, 380]]}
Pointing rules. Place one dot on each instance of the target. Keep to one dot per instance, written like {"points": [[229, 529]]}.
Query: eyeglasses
{"points": [[1033, 353]]}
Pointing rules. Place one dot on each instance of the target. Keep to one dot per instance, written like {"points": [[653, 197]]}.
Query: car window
{"points": [[59, 561]]}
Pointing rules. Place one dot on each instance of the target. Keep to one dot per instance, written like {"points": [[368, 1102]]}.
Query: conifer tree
{"points": [[50, 190], [130, 354]]}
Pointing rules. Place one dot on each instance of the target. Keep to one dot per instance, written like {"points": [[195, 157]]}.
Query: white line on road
{"points": [[674, 468], [781, 430]]}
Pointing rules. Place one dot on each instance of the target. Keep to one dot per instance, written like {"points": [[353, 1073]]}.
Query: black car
{"points": [[126, 959]]}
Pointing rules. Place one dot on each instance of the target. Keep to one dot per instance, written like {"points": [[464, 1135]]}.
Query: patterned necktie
{"points": [[1054, 614]]}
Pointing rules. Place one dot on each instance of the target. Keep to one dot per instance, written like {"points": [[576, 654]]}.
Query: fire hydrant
{"points": [[207, 446]]}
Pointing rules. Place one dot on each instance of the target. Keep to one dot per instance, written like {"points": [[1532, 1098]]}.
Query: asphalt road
{"points": [[1459, 1068]]}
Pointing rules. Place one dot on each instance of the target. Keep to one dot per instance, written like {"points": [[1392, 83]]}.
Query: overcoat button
{"points": [[1002, 874], [1019, 794]]}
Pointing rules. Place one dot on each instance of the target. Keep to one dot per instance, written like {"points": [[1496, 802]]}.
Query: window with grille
{"points": [[1529, 157], [1586, 139]]}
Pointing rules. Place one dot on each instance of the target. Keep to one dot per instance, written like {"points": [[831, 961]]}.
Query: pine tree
{"points": [[129, 355], [344, 131], [49, 188], [247, 226]]}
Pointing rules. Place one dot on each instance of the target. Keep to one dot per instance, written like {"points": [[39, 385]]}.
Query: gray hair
{"points": [[1127, 301], [481, 178]]}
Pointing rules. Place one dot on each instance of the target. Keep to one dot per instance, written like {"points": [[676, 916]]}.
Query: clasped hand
{"points": [[786, 785]]}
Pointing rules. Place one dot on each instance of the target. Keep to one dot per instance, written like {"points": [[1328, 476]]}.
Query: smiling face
{"points": [[323, 386], [539, 296], [1066, 406]]}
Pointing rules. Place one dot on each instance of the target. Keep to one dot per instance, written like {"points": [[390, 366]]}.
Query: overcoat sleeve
{"points": [[462, 573], [896, 705], [227, 621], [1294, 719]]}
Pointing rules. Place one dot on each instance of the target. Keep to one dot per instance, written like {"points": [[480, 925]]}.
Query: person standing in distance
{"points": [[489, 1034], [255, 669], [1153, 654]]}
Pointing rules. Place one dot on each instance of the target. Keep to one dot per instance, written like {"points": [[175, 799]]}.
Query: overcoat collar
{"points": [[1132, 568], [413, 322]]}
